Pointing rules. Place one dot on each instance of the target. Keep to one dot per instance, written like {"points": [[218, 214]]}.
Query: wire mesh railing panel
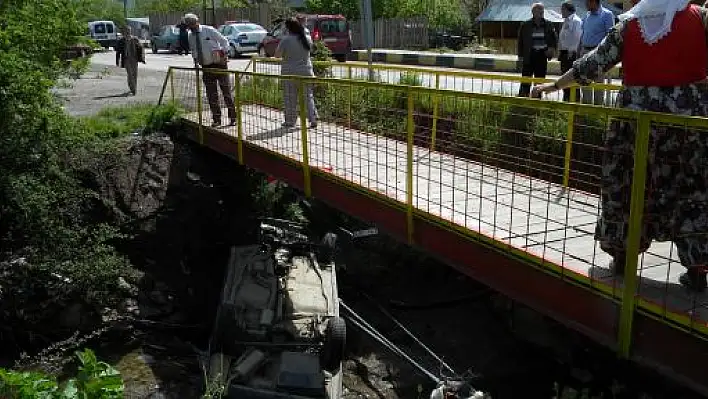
{"points": [[270, 108], [527, 175], [440, 78], [674, 232], [361, 135]]}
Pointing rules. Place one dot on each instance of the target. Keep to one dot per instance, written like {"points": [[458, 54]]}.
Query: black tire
{"points": [[154, 48], [341, 57], [233, 53], [335, 343]]}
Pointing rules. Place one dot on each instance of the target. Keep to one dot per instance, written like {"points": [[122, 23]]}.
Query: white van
{"points": [[104, 32]]}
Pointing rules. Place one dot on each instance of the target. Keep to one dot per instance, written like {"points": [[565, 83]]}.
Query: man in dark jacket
{"points": [[536, 45], [183, 38], [129, 52]]}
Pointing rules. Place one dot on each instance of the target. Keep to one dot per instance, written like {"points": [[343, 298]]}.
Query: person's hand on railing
{"points": [[543, 88]]}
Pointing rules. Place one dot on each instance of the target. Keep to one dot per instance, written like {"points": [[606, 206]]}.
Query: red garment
{"points": [[677, 59]]}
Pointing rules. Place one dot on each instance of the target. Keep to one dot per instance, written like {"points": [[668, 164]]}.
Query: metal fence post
{"points": [[199, 106], [409, 168], [303, 138], [239, 124], [569, 142], [641, 150], [436, 100], [254, 64], [171, 72], [349, 113]]}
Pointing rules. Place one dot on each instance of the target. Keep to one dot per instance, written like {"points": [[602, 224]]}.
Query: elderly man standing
{"points": [[129, 52], [209, 49], [569, 40], [536, 45], [596, 25]]}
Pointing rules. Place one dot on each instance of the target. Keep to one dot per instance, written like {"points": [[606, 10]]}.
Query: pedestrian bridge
{"points": [[504, 189]]}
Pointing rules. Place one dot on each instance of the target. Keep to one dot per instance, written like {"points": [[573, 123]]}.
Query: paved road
{"points": [[161, 61]]}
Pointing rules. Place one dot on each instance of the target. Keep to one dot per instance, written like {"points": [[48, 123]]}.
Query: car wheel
{"points": [[341, 57], [334, 344], [154, 48], [262, 52], [232, 52]]}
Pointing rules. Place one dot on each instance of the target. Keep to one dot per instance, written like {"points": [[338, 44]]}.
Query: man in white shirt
{"points": [[209, 49], [569, 40]]}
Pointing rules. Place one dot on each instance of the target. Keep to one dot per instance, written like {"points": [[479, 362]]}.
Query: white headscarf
{"points": [[655, 17]]}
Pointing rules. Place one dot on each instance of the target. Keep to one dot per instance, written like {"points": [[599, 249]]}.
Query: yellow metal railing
{"points": [[253, 97], [435, 78]]}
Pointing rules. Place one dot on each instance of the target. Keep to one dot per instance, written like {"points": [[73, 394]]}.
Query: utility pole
{"points": [[206, 14], [368, 33]]}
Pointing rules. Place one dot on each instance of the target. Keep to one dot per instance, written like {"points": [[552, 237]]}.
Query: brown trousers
{"points": [[214, 80]]}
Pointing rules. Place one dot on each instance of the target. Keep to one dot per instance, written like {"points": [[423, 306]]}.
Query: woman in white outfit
{"points": [[294, 49]]}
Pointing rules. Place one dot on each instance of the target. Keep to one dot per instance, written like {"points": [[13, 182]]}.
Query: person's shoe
{"points": [[313, 125], [216, 123], [232, 122], [694, 279]]}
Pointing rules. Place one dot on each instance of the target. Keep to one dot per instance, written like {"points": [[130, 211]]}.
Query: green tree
{"points": [[97, 10], [154, 6], [43, 206], [348, 8]]}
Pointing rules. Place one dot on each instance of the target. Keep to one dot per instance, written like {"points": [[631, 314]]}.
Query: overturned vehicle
{"points": [[278, 333]]}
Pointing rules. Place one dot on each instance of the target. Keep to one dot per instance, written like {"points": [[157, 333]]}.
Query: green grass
{"points": [[470, 123], [113, 122]]}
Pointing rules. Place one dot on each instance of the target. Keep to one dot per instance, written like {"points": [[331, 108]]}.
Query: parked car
{"points": [[277, 332], [104, 32], [333, 30], [243, 37], [166, 39]]}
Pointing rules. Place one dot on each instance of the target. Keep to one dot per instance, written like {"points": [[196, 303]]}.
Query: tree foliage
{"points": [[440, 13], [99, 10], [58, 252], [154, 6]]}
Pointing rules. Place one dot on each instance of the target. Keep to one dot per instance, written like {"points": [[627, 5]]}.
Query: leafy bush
{"points": [[473, 123], [322, 56], [95, 380]]}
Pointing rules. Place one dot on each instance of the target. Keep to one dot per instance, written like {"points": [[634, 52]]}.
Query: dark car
{"points": [[333, 30], [166, 39]]}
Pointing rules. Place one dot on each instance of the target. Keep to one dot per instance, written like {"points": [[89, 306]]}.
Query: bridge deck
{"points": [[525, 213]]}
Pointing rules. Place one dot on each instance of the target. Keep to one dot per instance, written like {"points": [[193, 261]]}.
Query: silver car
{"points": [[243, 37]]}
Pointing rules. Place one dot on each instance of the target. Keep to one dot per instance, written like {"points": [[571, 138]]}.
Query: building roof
{"points": [[520, 10]]}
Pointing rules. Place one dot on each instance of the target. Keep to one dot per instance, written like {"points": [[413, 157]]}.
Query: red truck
{"points": [[333, 30]]}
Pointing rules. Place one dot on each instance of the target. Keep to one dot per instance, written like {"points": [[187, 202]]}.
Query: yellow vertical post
{"points": [[636, 211], [199, 106], [239, 123], [409, 169], [569, 142], [303, 138], [436, 100], [349, 113], [171, 72], [254, 64]]}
